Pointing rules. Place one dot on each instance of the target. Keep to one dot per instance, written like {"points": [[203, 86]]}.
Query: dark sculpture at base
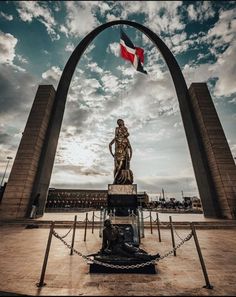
{"points": [[118, 250], [114, 244]]}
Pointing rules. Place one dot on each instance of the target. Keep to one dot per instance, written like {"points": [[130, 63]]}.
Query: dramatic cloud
{"points": [[225, 69], [114, 48], [200, 12], [224, 31], [7, 47], [95, 68], [69, 47], [169, 20], [28, 10], [52, 76], [7, 17], [80, 18], [22, 59], [17, 92]]}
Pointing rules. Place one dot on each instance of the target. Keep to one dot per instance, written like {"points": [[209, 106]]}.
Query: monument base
{"points": [[122, 199]]}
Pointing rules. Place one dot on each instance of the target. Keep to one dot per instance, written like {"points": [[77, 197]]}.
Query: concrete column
{"points": [[17, 195], [221, 165]]}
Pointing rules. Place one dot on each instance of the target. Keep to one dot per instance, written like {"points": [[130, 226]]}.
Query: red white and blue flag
{"points": [[131, 53]]}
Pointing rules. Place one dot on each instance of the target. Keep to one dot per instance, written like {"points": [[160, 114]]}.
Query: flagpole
{"points": [[121, 78]]}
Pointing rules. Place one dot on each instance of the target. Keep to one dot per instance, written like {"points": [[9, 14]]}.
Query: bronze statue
{"points": [[114, 244], [122, 155]]}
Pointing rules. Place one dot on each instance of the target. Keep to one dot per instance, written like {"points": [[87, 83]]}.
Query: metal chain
{"points": [[188, 237], [146, 217], [67, 232], [173, 228], [176, 232], [163, 224]]}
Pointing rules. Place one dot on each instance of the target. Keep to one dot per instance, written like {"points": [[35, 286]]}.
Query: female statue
{"points": [[122, 155]]}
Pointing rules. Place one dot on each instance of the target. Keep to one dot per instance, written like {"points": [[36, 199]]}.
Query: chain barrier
{"points": [[188, 237], [167, 225], [67, 232], [176, 232], [163, 224], [97, 217]]}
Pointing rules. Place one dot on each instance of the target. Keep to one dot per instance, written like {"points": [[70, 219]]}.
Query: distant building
{"points": [[74, 199], [193, 202], [143, 199], [196, 203], [70, 199]]}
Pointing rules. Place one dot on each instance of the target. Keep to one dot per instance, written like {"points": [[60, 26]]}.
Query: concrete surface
{"points": [[22, 253], [163, 217]]}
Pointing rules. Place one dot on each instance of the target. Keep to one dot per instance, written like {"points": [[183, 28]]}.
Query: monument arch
{"points": [[214, 205]]}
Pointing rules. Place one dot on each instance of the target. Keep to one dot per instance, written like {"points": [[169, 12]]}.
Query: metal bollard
{"points": [[150, 221], [208, 285], [93, 222], [85, 226], [132, 217], [138, 225], [73, 236], [172, 235], [142, 223], [41, 282], [100, 229], [104, 214], [158, 227]]}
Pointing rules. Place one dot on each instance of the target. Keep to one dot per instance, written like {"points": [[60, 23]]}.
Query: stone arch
{"points": [[199, 160]]}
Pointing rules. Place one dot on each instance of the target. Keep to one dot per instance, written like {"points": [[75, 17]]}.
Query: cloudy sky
{"points": [[36, 40]]}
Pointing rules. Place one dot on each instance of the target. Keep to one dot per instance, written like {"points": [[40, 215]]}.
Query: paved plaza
{"points": [[22, 253]]}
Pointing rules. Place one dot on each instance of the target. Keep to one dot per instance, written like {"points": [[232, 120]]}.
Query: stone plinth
{"points": [[122, 198], [221, 169], [122, 189], [17, 197]]}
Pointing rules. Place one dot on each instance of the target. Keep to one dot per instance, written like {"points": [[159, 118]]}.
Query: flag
{"points": [[131, 53]]}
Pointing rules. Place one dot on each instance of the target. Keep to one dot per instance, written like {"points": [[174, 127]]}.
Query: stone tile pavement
{"points": [[164, 217], [22, 252]]}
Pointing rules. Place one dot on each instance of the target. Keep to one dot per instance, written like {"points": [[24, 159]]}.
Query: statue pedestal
{"points": [[122, 199]]}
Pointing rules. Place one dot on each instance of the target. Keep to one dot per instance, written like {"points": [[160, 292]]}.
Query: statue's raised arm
{"points": [[110, 146]]}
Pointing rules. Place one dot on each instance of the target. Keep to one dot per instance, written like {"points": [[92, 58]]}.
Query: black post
{"points": [[93, 222], [142, 222], [85, 227], [151, 221], [100, 229], [73, 236], [208, 285], [139, 231], [172, 235], [158, 227], [41, 282]]}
